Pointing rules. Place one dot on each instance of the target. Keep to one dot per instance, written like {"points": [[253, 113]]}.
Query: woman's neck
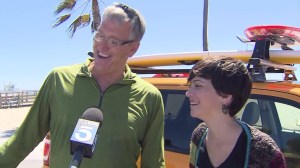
{"points": [[223, 129]]}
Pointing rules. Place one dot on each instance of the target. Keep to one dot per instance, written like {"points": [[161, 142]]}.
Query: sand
{"points": [[11, 118]]}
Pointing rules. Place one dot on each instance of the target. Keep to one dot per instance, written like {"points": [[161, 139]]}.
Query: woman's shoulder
{"points": [[264, 150], [259, 138], [198, 132], [262, 139]]}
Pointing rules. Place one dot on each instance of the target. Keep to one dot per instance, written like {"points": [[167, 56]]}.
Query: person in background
{"points": [[132, 108], [219, 88]]}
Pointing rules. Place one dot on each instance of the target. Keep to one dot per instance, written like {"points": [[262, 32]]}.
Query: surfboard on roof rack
{"points": [[260, 60], [190, 58], [278, 35], [271, 35]]}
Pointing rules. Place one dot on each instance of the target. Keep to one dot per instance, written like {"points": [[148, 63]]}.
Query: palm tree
{"points": [[205, 25], [82, 20]]}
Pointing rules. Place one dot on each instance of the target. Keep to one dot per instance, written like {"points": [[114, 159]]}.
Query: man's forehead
{"points": [[114, 28], [113, 22]]}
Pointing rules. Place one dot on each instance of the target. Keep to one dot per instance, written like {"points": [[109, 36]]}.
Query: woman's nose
{"points": [[187, 93]]}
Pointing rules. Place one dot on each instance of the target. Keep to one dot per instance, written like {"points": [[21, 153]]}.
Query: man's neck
{"points": [[104, 80]]}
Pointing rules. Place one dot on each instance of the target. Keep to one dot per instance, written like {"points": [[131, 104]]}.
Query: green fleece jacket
{"points": [[133, 122]]}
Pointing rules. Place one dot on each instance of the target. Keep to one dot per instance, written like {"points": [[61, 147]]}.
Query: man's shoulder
{"points": [[68, 67], [74, 68], [146, 86]]}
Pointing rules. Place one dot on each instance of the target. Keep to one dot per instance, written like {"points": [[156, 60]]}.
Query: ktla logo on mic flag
{"points": [[85, 133]]}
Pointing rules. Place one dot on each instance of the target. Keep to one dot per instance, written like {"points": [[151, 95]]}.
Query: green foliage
{"points": [[80, 22], [65, 5], [61, 19]]}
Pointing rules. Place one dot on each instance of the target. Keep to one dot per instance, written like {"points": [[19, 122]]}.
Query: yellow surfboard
{"points": [[169, 59], [277, 35]]}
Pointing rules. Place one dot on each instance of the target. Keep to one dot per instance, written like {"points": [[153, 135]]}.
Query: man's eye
{"points": [[115, 41], [99, 36]]}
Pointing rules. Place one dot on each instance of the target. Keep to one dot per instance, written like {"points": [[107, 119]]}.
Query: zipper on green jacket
{"points": [[101, 98]]}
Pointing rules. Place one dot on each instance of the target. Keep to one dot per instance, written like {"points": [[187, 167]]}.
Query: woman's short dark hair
{"points": [[228, 76]]}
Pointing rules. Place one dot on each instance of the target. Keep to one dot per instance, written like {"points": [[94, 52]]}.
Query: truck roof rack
{"points": [[270, 35]]}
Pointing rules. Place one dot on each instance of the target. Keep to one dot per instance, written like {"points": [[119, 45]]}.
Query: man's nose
{"points": [[102, 45]]}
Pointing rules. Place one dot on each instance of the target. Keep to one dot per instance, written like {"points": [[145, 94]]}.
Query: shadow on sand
{"points": [[7, 133]]}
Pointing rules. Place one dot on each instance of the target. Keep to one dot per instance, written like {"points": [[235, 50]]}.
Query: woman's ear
{"points": [[226, 100]]}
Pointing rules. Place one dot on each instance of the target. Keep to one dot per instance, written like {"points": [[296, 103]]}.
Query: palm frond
{"points": [[61, 19], [85, 19], [65, 5], [80, 22]]}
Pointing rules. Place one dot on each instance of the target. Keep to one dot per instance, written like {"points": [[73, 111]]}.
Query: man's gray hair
{"points": [[123, 13]]}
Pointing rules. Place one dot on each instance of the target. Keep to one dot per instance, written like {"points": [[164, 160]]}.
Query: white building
{"points": [[9, 87]]}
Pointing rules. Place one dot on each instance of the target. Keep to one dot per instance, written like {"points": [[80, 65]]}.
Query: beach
{"points": [[11, 118]]}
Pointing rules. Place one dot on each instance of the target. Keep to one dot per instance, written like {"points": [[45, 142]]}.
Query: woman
{"points": [[219, 88]]}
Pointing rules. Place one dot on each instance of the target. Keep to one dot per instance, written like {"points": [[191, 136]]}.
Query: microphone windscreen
{"points": [[93, 114]]}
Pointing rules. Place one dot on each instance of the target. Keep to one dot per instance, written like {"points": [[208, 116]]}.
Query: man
{"points": [[132, 108]]}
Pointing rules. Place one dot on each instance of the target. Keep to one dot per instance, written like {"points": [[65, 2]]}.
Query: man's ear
{"points": [[134, 48]]}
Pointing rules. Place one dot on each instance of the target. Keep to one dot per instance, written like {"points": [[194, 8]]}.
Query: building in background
{"points": [[9, 87]]}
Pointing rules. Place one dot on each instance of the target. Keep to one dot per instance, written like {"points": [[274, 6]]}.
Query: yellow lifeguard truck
{"points": [[274, 105]]}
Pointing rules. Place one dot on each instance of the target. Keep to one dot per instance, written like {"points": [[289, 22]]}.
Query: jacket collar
{"points": [[129, 76]]}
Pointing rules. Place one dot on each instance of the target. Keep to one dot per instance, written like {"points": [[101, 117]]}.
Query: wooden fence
{"points": [[17, 98]]}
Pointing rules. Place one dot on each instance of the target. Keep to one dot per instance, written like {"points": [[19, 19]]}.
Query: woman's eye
{"points": [[197, 86]]}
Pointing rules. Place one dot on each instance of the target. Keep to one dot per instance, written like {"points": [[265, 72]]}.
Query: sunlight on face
{"points": [[112, 58], [204, 100]]}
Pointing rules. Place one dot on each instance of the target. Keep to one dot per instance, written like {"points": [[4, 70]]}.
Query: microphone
{"points": [[85, 134]]}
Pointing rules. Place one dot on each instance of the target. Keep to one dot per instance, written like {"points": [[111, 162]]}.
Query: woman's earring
{"points": [[225, 109]]}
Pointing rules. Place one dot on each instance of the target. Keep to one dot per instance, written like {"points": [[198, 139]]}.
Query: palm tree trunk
{"points": [[205, 25], [96, 15]]}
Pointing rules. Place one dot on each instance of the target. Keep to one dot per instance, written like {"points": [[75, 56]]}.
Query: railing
{"points": [[17, 98]]}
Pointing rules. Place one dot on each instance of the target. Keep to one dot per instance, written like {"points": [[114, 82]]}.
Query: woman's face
{"points": [[204, 100]]}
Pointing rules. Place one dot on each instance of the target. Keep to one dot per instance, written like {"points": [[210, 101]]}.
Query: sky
{"points": [[30, 48]]}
